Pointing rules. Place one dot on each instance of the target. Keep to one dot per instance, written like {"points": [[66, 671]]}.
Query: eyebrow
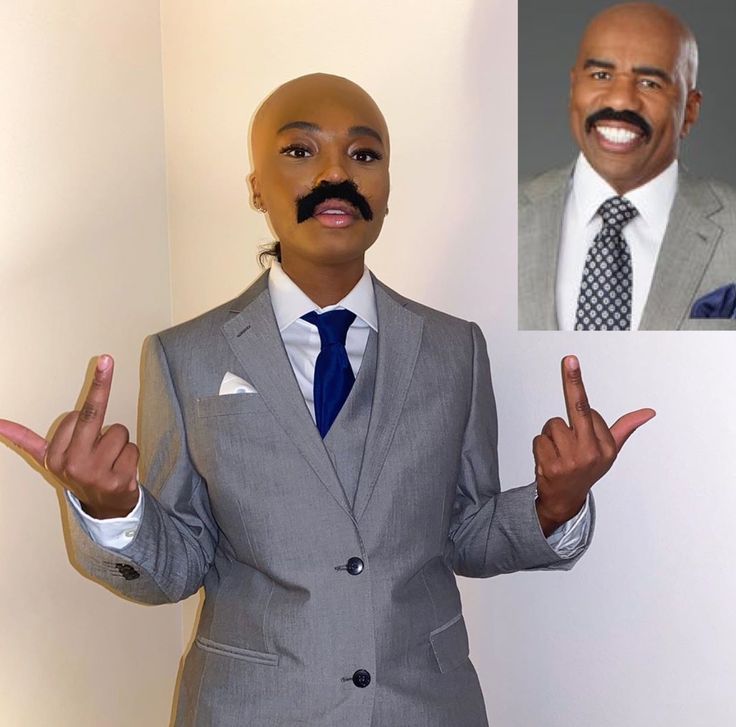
{"points": [[595, 63], [352, 131], [652, 71], [639, 70], [365, 131]]}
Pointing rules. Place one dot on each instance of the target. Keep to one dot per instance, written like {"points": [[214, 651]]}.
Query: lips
{"points": [[335, 213], [618, 136]]}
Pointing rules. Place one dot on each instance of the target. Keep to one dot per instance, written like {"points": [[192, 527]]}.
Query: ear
{"points": [[692, 111], [255, 192], [572, 83]]}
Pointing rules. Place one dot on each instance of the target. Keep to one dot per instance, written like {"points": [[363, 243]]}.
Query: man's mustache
{"points": [[347, 190], [629, 117]]}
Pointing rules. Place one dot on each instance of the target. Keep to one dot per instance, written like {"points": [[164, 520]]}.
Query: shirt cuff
{"points": [[114, 532], [571, 538]]}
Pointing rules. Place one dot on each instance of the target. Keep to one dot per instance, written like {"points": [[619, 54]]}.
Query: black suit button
{"points": [[127, 571], [355, 568], [361, 678]]}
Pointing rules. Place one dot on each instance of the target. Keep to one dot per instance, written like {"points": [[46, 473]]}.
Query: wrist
{"points": [[107, 511], [546, 523], [553, 515]]}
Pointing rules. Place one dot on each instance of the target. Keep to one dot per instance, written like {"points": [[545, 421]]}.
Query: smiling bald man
{"points": [[626, 238], [320, 455]]}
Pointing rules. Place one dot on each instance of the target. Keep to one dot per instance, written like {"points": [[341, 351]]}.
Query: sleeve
{"points": [[174, 544], [491, 531], [114, 532], [571, 537]]}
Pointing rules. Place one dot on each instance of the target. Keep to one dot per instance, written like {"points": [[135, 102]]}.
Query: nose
{"points": [[333, 168], [622, 94]]}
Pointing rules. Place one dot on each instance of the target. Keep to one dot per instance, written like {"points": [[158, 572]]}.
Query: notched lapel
{"points": [[687, 249], [399, 339], [540, 228], [254, 338]]}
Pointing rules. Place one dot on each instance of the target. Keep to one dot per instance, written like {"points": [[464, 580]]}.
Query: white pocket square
{"points": [[232, 384]]}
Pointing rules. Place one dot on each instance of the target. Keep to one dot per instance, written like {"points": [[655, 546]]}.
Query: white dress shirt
{"points": [[302, 343], [301, 339], [581, 223]]}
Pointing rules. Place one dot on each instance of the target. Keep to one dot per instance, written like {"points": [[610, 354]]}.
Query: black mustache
{"points": [[347, 190], [629, 117]]}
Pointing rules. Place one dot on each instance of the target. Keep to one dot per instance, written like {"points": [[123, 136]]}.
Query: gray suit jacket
{"points": [[698, 253], [243, 498]]}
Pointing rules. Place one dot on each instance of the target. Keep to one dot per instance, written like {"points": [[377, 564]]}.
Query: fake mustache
{"points": [[628, 117], [347, 190]]}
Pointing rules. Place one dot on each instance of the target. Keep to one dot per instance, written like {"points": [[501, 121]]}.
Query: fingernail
{"points": [[572, 363], [103, 362]]}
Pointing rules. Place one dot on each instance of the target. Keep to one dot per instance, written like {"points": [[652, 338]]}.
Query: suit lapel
{"points": [[399, 338], [254, 338], [541, 229], [686, 251]]}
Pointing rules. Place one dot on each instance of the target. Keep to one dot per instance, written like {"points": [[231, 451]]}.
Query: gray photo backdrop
{"points": [[549, 32]]}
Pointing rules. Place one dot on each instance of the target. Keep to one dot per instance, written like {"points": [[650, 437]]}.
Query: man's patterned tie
{"points": [[604, 303]]}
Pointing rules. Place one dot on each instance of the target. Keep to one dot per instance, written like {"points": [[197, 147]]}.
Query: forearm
{"points": [[164, 561]]}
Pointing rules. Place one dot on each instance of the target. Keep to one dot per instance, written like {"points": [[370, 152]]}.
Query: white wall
{"points": [[84, 270], [639, 633]]}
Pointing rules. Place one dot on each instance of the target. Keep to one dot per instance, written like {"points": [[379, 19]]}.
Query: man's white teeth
{"points": [[332, 212], [616, 135]]}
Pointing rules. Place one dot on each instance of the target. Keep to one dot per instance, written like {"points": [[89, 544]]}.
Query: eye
{"points": [[649, 83], [600, 76], [366, 155], [296, 151]]}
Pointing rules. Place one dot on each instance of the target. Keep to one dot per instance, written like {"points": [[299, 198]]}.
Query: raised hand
{"points": [[572, 456], [99, 468]]}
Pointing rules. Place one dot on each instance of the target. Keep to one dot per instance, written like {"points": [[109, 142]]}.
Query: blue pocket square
{"points": [[719, 303]]}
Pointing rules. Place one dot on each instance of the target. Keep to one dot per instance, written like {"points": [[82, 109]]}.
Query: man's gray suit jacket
{"points": [[244, 498], [698, 253]]}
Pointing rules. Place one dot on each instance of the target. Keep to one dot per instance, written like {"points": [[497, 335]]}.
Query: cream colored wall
{"points": [[222, 58], [84, 269]]}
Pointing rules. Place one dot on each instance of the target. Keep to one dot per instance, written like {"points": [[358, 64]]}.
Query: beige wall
{"points": [[417, 59], [84, 269]]}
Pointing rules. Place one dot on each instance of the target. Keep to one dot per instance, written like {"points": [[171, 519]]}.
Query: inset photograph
{"points": [[627, 166]]}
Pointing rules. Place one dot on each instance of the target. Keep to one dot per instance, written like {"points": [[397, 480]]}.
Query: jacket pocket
{"points": [[450, 644], [229, 405], [257, 657]]}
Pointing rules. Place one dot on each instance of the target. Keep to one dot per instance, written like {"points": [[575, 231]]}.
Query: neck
{"points": [[623, 187], [324, 284]]}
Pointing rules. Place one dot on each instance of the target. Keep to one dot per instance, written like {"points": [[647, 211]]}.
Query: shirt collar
{"points": [[290, 302], [652, 200]]}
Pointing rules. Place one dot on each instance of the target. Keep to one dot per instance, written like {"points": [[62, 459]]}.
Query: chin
{"points": [[619, 173]]}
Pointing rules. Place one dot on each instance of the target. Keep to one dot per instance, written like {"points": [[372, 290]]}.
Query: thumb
{"points": [[28, 441], [626, 425]]}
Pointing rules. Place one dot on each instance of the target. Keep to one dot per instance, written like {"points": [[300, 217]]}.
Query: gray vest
{"points": [[345, 442]]}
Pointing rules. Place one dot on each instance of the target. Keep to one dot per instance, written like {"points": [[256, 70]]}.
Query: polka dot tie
{"points": [[604, 303]]}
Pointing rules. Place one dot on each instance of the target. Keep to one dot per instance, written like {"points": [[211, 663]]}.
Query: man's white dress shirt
{"points": [[302, 343], [581, 223]]}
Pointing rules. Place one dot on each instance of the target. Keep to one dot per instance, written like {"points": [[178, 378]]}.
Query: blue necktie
{"points": [[333, 375]]}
